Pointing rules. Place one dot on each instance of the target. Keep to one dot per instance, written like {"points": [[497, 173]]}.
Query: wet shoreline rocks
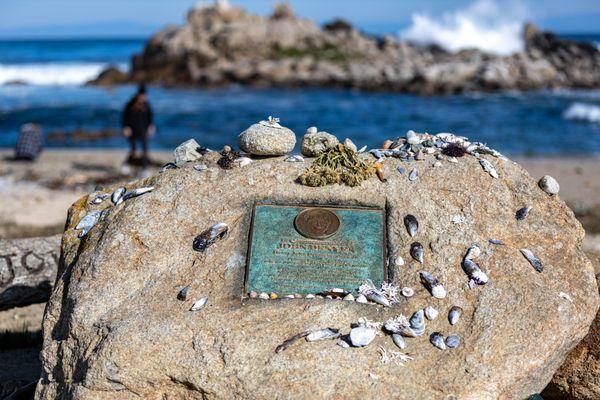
{"points": [[120, 284], [223, 45]]}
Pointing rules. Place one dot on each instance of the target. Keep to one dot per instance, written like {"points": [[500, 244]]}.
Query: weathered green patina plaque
{"points": [[309, 249]]}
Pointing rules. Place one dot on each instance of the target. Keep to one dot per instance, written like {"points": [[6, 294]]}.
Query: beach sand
{"points": [[36, 196]]}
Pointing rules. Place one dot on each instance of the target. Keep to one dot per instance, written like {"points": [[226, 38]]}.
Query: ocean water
{"points": [[539, 123]]}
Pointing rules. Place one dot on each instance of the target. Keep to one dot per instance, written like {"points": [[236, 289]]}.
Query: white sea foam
{"points": [[485, 24], [583, 112], [50, 73]]}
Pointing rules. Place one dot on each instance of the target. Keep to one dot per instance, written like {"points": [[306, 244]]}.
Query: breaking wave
{"points": [[485, 25], [583, 112], [50, 73]]}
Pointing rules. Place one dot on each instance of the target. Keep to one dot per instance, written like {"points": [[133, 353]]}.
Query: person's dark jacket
{"points": [[137, 118]]}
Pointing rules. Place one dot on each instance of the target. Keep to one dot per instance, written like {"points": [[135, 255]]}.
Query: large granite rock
{"points": [[579, 377], [114, 328], [222, 45]]}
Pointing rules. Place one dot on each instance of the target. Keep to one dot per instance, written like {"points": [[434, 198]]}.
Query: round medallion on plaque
{"points": [[317, 223]]}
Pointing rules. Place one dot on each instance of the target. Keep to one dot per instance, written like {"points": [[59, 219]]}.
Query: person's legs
{"points": [[132, 149], [144, 140]]}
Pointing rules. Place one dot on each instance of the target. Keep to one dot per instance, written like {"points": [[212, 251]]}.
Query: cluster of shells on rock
{"points": [[120, 195]]}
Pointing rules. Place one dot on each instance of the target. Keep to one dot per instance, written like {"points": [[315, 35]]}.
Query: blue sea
{"points": [[43, 81]]}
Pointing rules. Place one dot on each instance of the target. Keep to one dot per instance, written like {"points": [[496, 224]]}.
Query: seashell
{"points": [[401, 325], [473, 252], [117, 196], [323, 334], [137, 192], [335, 292], [294, 158], [349, 297], [407, 292], [264, 296], [522, 213], [437, 340], [88, 222], [379, 171], [311, 130], [414, 174], [253, 294], [417, 252], [387, 144], [199, 304], [210, 236], [183, 293], [411, 224], [452, 341], [488, 167], [473, 271], [349, 144], [344, 344], [377, 297], [437, 164], [431, 313], [272, 122], [399, 261], [496, 241], [362, 336], [453, 160], [167, 166], [243, 161], [433, 285], [412, 137], [377, 153], [454, 314], [401, 170], [361, 299], [399, 340], [99, 198], [200, 167], [273, 296], [310, 296], [362, 149], [288, 342], [533, 260], [417, 322]]}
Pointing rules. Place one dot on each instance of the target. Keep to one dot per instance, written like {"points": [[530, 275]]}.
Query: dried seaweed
{"points": [[228, 157], [337, 165]]}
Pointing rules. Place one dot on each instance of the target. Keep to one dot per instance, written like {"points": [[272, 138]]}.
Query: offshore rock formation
{"points": [[222, 44], [114, 327]]}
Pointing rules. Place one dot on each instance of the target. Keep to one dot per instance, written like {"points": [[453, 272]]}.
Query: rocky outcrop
{"points": [[223, 45], [115, 328]]}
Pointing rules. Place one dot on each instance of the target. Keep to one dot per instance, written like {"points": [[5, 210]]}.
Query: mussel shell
{"points": [[417, 252], [454, 314], [437, 339], [452, 341], [522, 213], [533, 260], [411, 224], [399, 340]]}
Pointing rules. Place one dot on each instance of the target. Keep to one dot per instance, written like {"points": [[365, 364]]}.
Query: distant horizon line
{"points": [[146, 37]]}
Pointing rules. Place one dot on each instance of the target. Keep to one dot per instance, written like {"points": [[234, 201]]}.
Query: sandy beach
{"points": [[36, 196]]}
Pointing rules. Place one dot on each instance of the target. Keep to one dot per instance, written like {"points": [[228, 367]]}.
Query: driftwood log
{"points": [[27, 270]]}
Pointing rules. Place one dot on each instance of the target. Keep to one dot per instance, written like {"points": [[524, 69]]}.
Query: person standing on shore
{"points": [[138, 125]]}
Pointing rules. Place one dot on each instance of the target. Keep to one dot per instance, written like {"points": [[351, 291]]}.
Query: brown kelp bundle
{"points": [[337, 165], [228, 157]]}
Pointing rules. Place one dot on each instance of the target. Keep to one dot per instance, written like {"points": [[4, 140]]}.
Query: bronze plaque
{"points": [[309, 249]]}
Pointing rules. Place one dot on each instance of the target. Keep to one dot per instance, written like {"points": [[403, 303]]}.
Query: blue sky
{"points": [[72, 18]]}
